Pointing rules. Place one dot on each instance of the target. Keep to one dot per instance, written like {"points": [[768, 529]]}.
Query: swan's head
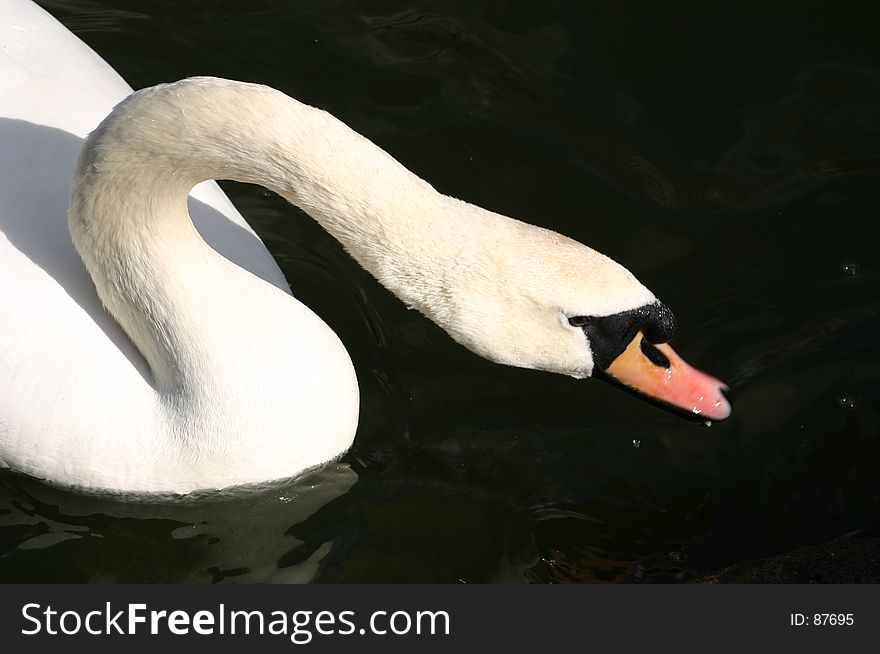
{"points": [[535, 299]]}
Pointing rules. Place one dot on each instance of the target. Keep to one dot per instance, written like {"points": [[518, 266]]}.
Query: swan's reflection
{"points": [[239, 536]]}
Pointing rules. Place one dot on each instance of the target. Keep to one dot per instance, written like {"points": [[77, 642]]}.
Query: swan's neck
{"points": [[180, 302]]}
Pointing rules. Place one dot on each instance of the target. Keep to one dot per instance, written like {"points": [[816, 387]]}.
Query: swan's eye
{"points": [[610, 335]]}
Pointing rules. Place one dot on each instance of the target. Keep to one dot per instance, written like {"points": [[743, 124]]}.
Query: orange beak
{"points": [[658, 372]]}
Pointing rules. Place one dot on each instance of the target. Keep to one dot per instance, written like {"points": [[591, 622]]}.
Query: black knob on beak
{"points": [[660, 324]]}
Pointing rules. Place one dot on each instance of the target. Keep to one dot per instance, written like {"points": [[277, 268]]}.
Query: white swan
{"points": [[218, 376]]}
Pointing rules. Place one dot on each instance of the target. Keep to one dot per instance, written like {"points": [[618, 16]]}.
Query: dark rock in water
{"points": [[840, 561]]}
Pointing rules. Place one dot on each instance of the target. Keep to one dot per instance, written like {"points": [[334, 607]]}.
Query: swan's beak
{"points": [[659, 373]]}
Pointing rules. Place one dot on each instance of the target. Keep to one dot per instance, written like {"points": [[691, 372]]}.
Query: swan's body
{"points": [[212, 374], [74, 392]]}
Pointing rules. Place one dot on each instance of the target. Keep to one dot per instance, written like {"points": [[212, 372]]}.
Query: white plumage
{"points": [[209, 373]]}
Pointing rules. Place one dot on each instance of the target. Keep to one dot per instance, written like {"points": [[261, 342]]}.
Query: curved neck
{"points": [[129, 221]]}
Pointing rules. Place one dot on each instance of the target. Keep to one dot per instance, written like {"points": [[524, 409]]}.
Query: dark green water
{"points": [[730, 156]]}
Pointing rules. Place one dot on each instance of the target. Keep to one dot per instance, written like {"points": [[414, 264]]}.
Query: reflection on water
{"points": [[243, 536], [823, 126], [736, 175]]}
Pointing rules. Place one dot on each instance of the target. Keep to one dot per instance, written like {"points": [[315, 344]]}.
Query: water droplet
{"points": [[636, 443], [850, 268], [848, 402]]}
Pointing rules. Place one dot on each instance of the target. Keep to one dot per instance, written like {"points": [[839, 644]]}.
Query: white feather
{"points": [[218, 375]]}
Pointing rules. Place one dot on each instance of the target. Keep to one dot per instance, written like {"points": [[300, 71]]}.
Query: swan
{"points": [[155, 347]]}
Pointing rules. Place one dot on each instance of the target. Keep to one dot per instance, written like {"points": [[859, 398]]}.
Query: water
{"points": [[728, 155]]}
